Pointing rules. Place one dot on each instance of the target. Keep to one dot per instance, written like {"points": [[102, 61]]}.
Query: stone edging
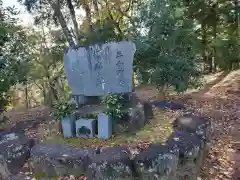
{"points": [[181, 157]]}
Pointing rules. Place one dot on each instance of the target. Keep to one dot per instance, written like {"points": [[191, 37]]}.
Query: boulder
{"points": [[148, 110], [15, 148], [59, 160], [112, 163], [201, 126], [156, 163], [190, 147], [188, 144], [134, 119], [137, 117]]}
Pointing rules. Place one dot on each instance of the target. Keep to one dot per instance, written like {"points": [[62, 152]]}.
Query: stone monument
{"points": [[100, 69]]}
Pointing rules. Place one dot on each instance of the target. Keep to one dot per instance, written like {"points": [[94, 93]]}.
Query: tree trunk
{"points": [[73, 16], [88, 13], [204, 42], [52, 88], [58, 13], [95, 5], [214, 8], [26, 97], [116, 24], [237, 19]]}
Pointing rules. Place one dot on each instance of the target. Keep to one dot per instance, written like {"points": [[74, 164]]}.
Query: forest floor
{"points": [[219, 99]]}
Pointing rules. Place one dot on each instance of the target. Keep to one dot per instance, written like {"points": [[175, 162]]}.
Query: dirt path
{"points": [[221, 102]]}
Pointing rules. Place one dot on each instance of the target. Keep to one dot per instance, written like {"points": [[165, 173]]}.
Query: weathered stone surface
{"points": [[188, 144], [136, 117], [59, 160], [156, 163], [194, 124], [190, 147], [4, 172], [111, 163], [85, 128], [165, 104], [99, 69], [148, 110], [15, 148]]}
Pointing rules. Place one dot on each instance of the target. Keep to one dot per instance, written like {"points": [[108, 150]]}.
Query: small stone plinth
{"points": [[111, 163], [59, 160], [104, 126], [85, 128], [157, 162], [68, 127]]}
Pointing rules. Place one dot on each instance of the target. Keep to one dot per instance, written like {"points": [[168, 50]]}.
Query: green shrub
{"points": [[62, 109], [113, 105], [177, 72]]}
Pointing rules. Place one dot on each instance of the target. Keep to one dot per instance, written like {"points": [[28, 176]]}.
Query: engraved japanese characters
{"points": [[100, 69]]}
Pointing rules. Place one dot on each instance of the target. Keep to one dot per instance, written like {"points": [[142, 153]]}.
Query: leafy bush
{"points": [[90, 116], [15, 54], [62, 109], [113, 105], [177, 72], [167, 53]]}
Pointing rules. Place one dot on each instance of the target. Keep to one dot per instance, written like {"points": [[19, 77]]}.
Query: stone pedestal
{"points": [[104, 126], [112, 163], [68, 127], [85, 128]]}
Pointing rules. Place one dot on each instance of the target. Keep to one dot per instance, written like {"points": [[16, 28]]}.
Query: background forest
{"points": [[177, 42]]}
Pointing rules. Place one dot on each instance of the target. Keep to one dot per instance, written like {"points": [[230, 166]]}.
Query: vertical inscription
{"points": [[120, 68], [101, 57], [98, 66]]}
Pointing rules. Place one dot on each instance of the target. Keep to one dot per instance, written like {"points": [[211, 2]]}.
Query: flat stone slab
{"points": [[59, 160], [15, 149], [157, 162], [101, 68], [164, 104], [111, 163]]}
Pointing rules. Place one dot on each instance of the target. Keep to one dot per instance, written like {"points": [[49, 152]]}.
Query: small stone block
{"points": [[157, 162], [60, 160], [201, 126], [85, 128], [188, 144], [112, 163], [104, 126], [68, 127]]}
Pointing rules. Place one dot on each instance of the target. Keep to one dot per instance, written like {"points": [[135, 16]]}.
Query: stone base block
{"points": [[201, 126], [156, 163], [135, 118], [85, 128], [68, 127], [15, 149], [104, 126], [111, 164], [59, 160]]}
